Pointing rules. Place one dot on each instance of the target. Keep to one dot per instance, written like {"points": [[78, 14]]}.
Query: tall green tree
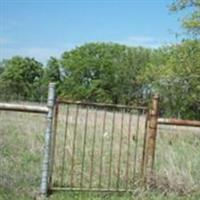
{"points": [[191, 22], [2, 66], [177, 80], [52, 70], [103, 72], [52, 73], [21, 77]]}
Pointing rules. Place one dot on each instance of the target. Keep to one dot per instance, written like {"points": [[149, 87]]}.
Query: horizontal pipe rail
{"points": [[90, 189], [23, 108], [178, 122], [62, 101]]}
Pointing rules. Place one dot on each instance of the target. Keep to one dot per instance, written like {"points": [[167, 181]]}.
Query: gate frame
{"points": [[60, 100], [149, 145]]}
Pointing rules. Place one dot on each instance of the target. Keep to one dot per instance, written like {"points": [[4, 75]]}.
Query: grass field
{"points": [[21, 142]]}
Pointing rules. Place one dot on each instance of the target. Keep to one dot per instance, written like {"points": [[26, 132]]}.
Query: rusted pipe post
{"points": [[151, 138], [48, 142], [143, 168]]}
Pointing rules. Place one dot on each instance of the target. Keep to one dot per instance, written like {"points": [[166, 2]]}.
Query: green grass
{"points": [[138, 195], [20, 154], [178, 159], [21, 141]]}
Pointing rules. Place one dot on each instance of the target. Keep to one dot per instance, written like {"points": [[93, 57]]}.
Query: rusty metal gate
{"points": [[98, 147]]}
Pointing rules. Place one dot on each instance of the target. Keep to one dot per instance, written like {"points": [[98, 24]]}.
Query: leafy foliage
{"points": [[2, 66], [177, 80], [103, 72], [108, 72], [51, 73], [190, 22], [20, 76]]}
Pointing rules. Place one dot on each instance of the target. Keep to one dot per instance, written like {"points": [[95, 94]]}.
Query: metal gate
{"points": [[98, 147]]}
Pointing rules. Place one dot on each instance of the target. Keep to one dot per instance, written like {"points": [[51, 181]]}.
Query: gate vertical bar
{"points": [[74, 145], [84, 146], [144, 146], [93, 145], [111, 150], [151, 138], [48, 141], [136, 145], [102, 147], [128, 150], [120, 149], [64, 146]]}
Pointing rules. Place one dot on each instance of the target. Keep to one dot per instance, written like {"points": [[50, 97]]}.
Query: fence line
{"points": [[48, 144], [23, 108], [149, 151], [178, 122], [98, 132]]}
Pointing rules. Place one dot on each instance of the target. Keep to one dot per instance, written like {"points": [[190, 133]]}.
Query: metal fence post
{"points": [[151, 138], [48, 141], [53, 143]]}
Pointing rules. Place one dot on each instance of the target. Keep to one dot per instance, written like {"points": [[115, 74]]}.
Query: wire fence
{"points": [[178, 158], [24, 137], [21, 148], [96, 147]]}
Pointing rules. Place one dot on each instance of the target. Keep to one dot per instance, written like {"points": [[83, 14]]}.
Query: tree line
{"points": [[113, 73]]}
